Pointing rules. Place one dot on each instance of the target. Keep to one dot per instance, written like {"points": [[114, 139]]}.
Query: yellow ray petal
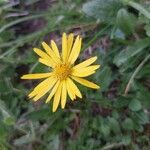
{"points": [[53, 91], [55, 48], [64, 47], [85, 71], [47, 50], [69, 90], [85, 82], [86, 63], [89, 68], [44, 89], [83, 74], [40, 86], [36, 76], [51, 53], [74, 88], [41, 54], [75, 51], [69, 43], [47, 62], [57, 97], [63, 95]]}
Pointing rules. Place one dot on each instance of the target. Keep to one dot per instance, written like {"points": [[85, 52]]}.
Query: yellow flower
{"points": [[63, 71]]}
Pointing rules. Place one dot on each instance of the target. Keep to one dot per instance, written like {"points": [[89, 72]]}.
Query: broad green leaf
{"points": [[131, 51], [144, 20], [121, 102], [102, 10], [115, 114], [105, 77], [114, 125], [147, 29], [4, 87], [40, 114], [144, 96], [142, 117], [3, 133], [128, 124], [3, 1], [144, 72], [125, 21], [3, 147], [135, 105], [8, 119], [105, 129], [126, 139]]}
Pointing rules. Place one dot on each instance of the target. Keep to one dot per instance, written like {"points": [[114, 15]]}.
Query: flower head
{"points": [[59, 81]]}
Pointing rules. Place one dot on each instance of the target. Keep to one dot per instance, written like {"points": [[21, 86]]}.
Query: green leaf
{"points": [[4, 1], [105, 77], [126, 21], [121, 102], [8, 119], [3, 133], [114, 125], [131, 51], [28, 138], [147, 29], [144, 98], [3, 147], [102, 10], [144, 72], [141, 117], [4, 86], [126, 139], [105, 129], [40, 114], [142, 95], [135, 105], [128, 124], [140, 8]]}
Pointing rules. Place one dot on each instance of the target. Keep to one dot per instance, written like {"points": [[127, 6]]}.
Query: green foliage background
{"points": [[114, 117]]}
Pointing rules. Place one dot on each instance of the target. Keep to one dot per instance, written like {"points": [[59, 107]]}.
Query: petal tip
{"points": [[62, 107], [43, 43], [22, 77], [98, 66], [46, 102], [54, 110], [71, 34], [34, 49], [97, 87], [52, 42], [64, 34]]}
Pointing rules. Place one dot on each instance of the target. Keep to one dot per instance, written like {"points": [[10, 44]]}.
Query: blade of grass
{"points": [[138, 7], [96, 36], [135, 73], [3, 28]]}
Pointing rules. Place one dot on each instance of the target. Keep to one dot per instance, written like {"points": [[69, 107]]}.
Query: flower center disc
{"points": [[62, 71]]}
